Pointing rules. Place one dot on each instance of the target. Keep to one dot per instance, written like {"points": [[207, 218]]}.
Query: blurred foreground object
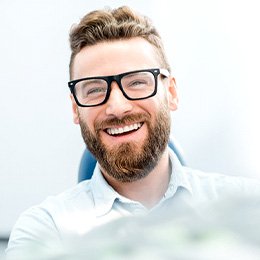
{"points": [[228, 229]]}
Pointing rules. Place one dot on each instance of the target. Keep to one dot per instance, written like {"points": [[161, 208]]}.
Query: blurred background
{"points": [[213, 47]]}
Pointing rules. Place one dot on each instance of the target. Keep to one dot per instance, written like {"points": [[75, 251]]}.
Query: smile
{"points": [[123, 130]]}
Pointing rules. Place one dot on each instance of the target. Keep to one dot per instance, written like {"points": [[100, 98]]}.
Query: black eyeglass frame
{"points": [[117, 78]]}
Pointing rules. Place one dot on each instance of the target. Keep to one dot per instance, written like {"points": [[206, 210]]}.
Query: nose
{"points": [[117, 105]]}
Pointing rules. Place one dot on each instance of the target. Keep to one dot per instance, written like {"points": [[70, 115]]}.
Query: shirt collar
{"points": [[178, 175], [104, 195]]}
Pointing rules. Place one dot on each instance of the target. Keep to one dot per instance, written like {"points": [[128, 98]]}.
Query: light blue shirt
{"points": [[94, 202]]}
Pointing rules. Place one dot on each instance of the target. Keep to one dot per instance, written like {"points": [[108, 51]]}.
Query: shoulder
{"points": [[69, 200], [80, 193], [44, 225], [59, 206], [215, 185]]}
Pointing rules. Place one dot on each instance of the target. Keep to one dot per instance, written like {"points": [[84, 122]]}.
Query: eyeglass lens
{"points": [[135, 86]]}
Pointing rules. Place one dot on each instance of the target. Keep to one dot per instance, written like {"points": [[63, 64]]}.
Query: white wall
{"points": [[213, 47]]}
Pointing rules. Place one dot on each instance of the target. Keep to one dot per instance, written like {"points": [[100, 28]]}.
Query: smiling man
{"points": [[122, 103], [122, 93]]}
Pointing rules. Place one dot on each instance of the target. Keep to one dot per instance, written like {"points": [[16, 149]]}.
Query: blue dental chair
{"points": [[88, 161]]}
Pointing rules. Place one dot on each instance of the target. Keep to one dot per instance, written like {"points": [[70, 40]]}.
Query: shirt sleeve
{"points": [[35, 231]]}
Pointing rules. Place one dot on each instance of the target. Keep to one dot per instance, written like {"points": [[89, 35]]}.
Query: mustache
{"points": [[128, 119]]}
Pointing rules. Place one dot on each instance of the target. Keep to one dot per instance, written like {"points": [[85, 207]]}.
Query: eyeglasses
{"points": [[135, 85]]}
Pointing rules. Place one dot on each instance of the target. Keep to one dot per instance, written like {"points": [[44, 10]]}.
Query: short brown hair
{"points": [[114, 24]]}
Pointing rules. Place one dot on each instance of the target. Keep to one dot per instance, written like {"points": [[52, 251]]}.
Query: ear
{"points": [[75, 110], [172, 94]]}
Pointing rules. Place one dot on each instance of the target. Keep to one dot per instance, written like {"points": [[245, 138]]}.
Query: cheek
{"points": [[156, 103], [89, 116], [84, 117], [152, 107]]}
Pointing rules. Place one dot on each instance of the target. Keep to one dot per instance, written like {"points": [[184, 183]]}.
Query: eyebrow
{"points": [[92, 80]]}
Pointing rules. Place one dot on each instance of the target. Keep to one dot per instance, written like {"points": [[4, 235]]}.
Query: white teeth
{"points": [[121, 130]]}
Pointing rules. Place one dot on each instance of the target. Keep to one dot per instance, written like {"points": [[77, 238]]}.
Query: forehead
{"points": [[115, 57]]}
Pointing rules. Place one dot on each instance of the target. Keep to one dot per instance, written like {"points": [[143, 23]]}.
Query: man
{"points": [[122, 93]]}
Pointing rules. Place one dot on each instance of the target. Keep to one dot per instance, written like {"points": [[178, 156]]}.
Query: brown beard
{"points": [[129, 161]]}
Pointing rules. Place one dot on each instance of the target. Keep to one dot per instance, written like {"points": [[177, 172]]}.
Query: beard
{"points": [[130, 161]]}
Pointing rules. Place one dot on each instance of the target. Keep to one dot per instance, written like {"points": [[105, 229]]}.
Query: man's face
{"points": [[127, 137]]}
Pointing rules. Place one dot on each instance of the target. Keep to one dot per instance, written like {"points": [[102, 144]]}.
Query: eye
{"points": [[95, 90], [137, 83], [92, 88]]}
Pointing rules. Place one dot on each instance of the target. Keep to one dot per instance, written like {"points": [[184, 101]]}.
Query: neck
{"points": [[148, 190]]}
